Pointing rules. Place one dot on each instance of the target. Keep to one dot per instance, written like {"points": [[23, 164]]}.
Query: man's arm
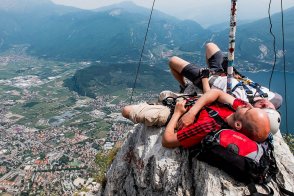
{"points": [[205, 85], [204, 79], [206, 99], [169, 138]]}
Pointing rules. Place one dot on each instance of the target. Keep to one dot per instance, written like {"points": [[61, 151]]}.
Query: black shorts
{"points": [[215, 62], [193, 73]]}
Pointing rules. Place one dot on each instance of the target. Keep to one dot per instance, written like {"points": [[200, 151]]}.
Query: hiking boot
{"points": [[165, 94], [182, 88], [153, 102]]}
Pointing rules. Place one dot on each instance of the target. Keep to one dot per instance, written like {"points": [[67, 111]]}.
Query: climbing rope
{"points": [[284, 66], [139, 65], [274, 44], [284, 59]]}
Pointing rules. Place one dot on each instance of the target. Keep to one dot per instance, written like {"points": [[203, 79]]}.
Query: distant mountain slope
{"points": [[22, 5], [110, 33], [126, 6], [36, 8], [254, 42], [20, 20], [116, 33]]}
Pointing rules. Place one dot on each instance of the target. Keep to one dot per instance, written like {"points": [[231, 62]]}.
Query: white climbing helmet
{"points": [[275, 119]]}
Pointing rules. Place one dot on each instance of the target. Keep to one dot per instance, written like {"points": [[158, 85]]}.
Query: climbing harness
{"points": [[245, 82]]}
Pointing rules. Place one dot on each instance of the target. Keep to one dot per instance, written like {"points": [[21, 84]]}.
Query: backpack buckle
{"points": [[249, 92], [264, 95], [212, 113]]}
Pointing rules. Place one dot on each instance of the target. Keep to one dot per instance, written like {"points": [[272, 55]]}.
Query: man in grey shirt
{"points": [[244, 89]]}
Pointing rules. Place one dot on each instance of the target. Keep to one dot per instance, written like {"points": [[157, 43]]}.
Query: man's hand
{"points": [[180, 107], [204, 73], [186, 120], [237, 76], [247, 105]]}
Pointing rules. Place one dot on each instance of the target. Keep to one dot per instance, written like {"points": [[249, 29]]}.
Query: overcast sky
{"points": [[206, 12]]}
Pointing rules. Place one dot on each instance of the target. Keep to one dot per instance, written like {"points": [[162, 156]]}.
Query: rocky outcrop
{"points": [[144, 167]]}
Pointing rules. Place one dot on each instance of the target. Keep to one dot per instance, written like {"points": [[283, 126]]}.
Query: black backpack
{"points": [[242, 158], [239, 156]]}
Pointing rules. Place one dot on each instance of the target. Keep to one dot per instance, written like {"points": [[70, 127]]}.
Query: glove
{"points": [[204, 73]]}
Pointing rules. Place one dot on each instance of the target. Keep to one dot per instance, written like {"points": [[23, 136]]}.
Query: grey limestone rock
{"points": [[144, 167]]}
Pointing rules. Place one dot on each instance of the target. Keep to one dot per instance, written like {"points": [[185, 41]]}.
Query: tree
{"points": [[42, 155]]}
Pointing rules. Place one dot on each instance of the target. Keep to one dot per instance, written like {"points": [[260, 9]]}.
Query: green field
{"points": [[43, 105]]}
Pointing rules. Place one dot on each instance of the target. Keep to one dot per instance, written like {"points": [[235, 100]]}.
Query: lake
{"points": [[277, 85]]}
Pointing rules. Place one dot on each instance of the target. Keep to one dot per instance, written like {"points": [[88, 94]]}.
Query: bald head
{"points": [[252, 122], [256, 124]]}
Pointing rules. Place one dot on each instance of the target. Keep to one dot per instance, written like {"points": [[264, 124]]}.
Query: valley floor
{"points": [[50, 135]]}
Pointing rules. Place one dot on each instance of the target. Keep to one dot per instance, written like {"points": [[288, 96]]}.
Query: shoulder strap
{"points": [[214, 114], [282, 188], [253, 191], [285, 191], [274, 170]]}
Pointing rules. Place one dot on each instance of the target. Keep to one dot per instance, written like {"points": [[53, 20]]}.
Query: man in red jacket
{"points": [[188, 128]]}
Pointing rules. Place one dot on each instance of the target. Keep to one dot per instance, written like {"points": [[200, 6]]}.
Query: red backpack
{"points": [[238, 143], [240, 157]]}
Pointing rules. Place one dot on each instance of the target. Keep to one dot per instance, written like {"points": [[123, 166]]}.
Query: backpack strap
{"points": [[274, 170], [285, 191], [253, 191], [282, 187], [214, 114]]}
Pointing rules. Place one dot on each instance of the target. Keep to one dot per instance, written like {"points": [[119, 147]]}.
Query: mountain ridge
{"points": [[24, 5], [115, 33], [96, 35]]}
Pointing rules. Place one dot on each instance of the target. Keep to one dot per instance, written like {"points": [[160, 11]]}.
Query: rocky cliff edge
{"points": [[144, 167]]}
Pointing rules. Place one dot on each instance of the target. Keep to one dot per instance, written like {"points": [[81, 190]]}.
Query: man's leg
{"points": [[176, 66], [214, 57], [150, 115], [181, 68]]}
